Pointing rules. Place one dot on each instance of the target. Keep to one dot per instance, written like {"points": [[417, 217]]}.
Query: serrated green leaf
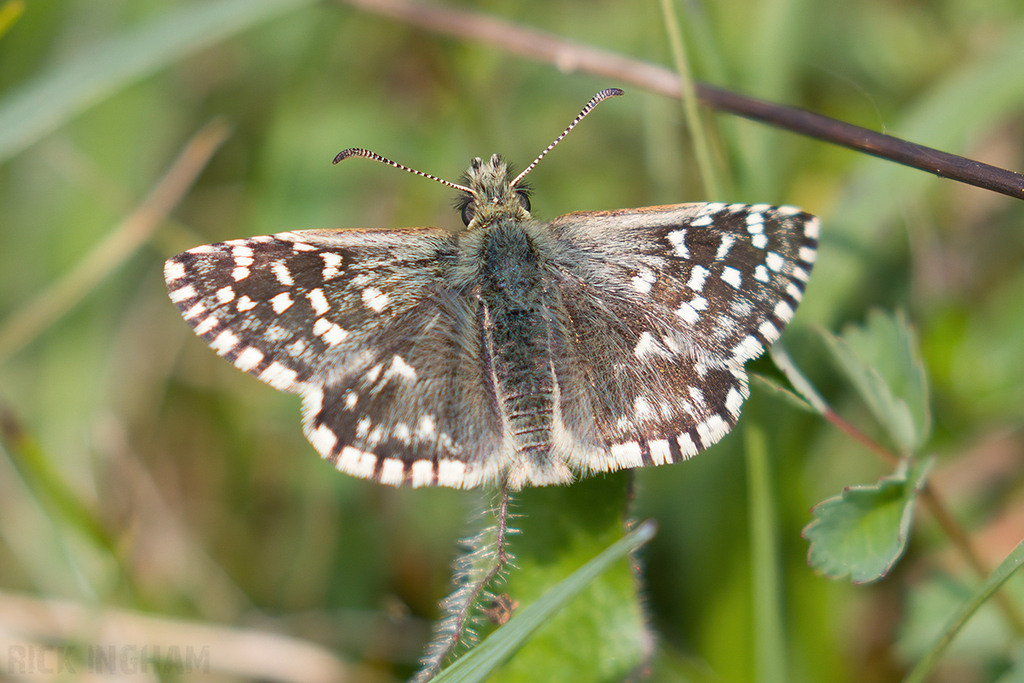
{"points": [[863, 531], [882, 361], [556, 617]]}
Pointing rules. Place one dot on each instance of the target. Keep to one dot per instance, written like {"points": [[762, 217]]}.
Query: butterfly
{"points": [[516, 352]]}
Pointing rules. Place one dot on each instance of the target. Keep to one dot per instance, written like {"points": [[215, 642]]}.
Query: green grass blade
{"points": [[1002, 573], [769, 633], [82, 80], [480, 662]]}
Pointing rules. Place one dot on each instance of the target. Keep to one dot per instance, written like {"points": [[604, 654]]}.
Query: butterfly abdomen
{"points": [[517, 339]]}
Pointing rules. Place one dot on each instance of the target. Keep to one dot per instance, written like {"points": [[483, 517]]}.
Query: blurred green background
{"points": [[209, 505]]}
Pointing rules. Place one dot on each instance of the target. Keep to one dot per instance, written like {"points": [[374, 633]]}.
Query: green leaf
{"points": [[784, 393], [864, 531], [86, 78], [597, 638], [883, 362]]}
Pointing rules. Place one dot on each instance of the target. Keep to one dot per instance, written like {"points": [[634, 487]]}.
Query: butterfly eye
{"points": [[468, 211], [524, 199]]}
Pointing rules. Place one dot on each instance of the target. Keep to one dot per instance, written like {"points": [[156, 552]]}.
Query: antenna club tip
{"points": [[611, 92], [345, 154]]}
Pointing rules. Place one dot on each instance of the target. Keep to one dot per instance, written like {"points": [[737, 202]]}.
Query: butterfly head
{"points": [[489, 194]]}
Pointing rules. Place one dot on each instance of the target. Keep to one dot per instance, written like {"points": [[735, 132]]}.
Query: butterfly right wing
{"points": [[658, 310]]}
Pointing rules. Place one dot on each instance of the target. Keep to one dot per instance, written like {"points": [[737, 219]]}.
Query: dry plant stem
{"points": [[890, 458], [124, 240], [956, 533], [230, 653], [569, 56]]}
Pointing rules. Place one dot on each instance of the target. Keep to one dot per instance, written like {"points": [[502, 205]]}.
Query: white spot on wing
{"points": [[426, 428], [281, 303], [712, 429], [794, 292], [452, 473], [356, 462], [769, 331], [774, 261], [725, 245], [399, 368], [812, 227], [183, 293], [224, 342], [660, 452], [422, 473], [783, 311], [281, 272], [761, 274], [279, 377], [208, 324], [375, 299], [225, 294], [748, 348], [627, 455], [173, 270], [697, 277], [245, 304], [248, 359], [240, 273], [733, 401], [329, 332], [392, 471], [332, 264], [643, 280], [689, 311], [677, 239], [687, 446], [732, 277], [323, 440], [649, 346], [318, 301], [808, 255], [197, 309]]}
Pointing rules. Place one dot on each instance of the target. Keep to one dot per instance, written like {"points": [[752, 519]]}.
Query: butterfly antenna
{"points": [[594, 101], [367, 154]]}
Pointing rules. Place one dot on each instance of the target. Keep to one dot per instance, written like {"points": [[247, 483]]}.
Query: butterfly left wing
{"points": [[658, 309], [358, 322]]}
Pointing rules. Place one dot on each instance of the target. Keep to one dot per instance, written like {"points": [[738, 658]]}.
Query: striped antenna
{"points": [[594, 101], [367, 154]]}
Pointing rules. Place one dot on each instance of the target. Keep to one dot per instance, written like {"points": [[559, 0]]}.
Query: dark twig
{"points": [[570, 56]]}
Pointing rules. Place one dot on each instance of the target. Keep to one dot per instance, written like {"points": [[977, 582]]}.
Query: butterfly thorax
{"points": [[492, 196]]}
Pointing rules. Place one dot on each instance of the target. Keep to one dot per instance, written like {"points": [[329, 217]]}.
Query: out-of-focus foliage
{"points": [[200, 503]]}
